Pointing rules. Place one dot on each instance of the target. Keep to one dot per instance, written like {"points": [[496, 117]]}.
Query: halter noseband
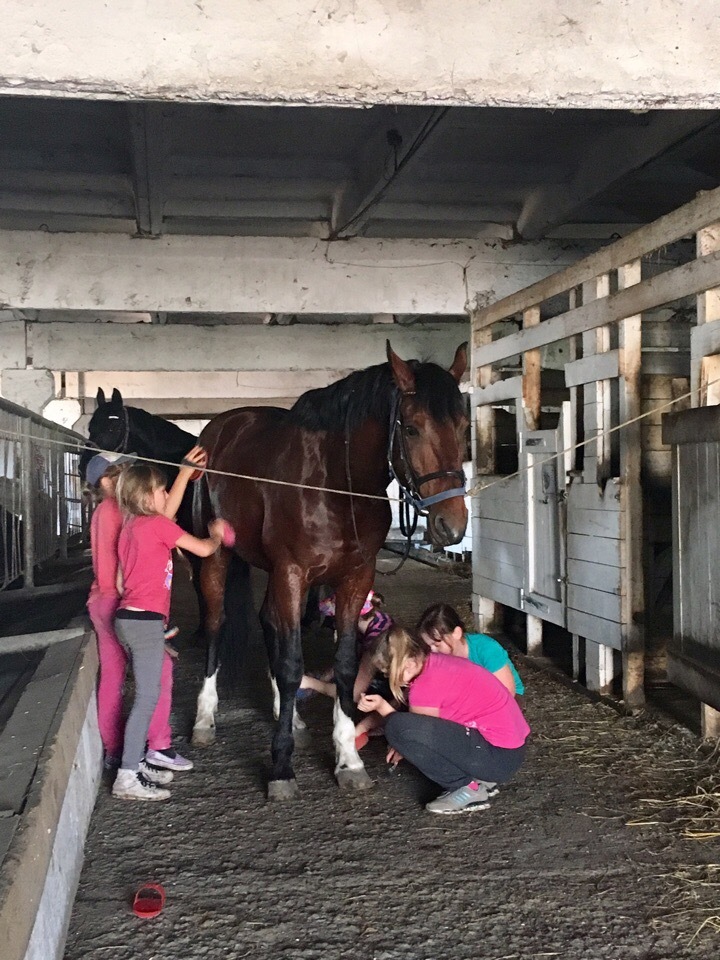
{"points": [[410, 487], [122, 446]]}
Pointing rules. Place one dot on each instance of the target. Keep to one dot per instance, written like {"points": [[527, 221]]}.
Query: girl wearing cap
{"points": [[102, 476]]}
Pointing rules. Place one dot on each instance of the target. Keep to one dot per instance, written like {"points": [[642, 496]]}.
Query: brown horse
{"points": [[402, 419]]}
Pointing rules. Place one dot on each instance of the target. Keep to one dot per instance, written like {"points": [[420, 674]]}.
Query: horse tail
{"points": [[235, 632], [202, 511]]}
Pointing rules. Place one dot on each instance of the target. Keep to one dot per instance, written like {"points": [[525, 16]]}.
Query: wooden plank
{"points": [[511, 511], [599, 667], [501, 390], [531, 374], [684, 281], [484, 440], [591, 369], [686, 220], [500, 572], [593, 549], [501, 531], [699, 425], [589, 496], [592, 523], [497, 488], [582, 573], [595, 628], [500, 592], [607, 606], [510, 553]]}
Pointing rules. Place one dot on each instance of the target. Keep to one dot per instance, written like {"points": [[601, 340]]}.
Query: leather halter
{"points": [[122, 446], [410, 487]]}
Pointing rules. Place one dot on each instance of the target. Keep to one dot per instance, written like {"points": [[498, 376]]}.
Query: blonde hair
{"points": [[135, 487], [392, 652]]}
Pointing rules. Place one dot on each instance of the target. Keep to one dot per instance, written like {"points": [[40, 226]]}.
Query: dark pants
{"points": [[449, 753]]}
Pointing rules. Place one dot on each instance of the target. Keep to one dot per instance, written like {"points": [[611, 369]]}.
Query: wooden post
{"points": [[27, 488], [599, 667], [597, 397], [531, 401], [487, 612], [709, 722], [633, 598]]}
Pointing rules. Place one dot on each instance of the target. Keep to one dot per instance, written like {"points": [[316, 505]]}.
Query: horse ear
{"points": [[459, 364], [100, 397], [401, 371], [116, 398]]}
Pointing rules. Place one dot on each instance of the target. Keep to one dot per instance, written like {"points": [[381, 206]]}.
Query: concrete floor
{"points": [[556, 868]]}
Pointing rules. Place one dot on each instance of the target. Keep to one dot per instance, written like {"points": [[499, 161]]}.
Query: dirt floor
{"points": [[573, 860]]}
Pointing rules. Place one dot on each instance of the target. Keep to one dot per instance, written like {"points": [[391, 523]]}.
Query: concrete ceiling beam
{"points": [[147, 154]]}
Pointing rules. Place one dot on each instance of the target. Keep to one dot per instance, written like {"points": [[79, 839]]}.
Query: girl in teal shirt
{"points": [[443, 630]]}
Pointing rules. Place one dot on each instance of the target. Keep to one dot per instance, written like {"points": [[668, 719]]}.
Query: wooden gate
{"points": [[544, 592], [694, 655]]}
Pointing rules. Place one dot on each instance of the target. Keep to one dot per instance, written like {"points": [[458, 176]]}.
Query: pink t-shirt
{"points": [[472, 696], [145, 551], [104, 535]]}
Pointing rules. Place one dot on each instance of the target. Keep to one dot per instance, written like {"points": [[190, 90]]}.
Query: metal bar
{"points": [[28, 507]]}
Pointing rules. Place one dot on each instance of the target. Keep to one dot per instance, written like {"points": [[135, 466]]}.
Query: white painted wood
{"points": [[501, 390], [502, 572], [591, 369], [511, 553], [485, 612], [606, 606], [88, 347], [593, 549], [215, 274], [710, 722], [498, 488], [599, 667], [501, 531], [686, 220], [534, 636], [499, 592], [588, 496], [597, 576], [591, 523], [601, 631], [686, 280], [509, 511]]}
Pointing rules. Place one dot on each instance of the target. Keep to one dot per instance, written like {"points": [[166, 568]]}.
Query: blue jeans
{"points": [[449, 753]]}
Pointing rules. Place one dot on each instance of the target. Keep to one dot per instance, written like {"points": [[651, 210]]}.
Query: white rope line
{"points": [[583, 443], [475, 489]]}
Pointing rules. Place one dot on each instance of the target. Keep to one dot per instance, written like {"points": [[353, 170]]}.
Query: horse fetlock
{"points": [[283, 789], [203, 736], [352, 781]]}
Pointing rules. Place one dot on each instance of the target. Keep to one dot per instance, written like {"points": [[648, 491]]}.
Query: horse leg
{"points": [[280, 619], [349, 769], [213, 574]]}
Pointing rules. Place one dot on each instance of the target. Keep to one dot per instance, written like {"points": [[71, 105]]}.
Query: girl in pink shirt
{"points": [[464, 730], [145, 550]]}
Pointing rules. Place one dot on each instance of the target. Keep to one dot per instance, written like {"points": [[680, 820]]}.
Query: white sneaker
{"points": [[155, 774], [133, 785]]}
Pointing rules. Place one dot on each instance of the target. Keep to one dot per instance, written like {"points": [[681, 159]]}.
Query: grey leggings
{"points": [[449, 753], [145, 642]]}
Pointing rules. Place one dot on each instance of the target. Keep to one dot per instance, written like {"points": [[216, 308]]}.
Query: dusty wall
{"points": [[611, 53]]}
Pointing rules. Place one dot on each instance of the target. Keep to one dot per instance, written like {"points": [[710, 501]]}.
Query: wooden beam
{"points": [[148, 146], [684, 281], [603, 366], [531, 390], [502, 390], [607, 159], [686, 220], [386, 155]]}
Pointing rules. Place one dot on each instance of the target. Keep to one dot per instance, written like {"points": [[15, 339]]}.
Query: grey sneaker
{"points": [[133, 785], [155, 774], [491, 789], [463, 800]]}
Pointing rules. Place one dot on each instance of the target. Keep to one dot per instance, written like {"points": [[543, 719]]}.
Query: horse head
{"points": [[109, 428], [428, 441]]}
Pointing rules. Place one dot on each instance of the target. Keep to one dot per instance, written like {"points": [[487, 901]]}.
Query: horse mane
{"points": [[367, 394]]}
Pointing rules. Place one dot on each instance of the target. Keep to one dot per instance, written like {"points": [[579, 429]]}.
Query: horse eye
{"points": [[411, 431]]}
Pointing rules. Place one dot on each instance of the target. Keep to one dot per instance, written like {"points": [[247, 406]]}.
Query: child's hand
{"points": [[195, 459], [373, 702], [393, 757], [222, 531]]}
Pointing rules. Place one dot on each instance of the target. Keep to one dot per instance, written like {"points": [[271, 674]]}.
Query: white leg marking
{"points": [[298, 723], [344, 738], [207, 704], [276, 697]]}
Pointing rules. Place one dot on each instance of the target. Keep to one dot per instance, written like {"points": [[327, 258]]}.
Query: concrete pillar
{"points": [[65, 412], [32, 389]]}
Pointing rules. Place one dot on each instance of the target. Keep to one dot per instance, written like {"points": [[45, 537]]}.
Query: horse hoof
{"points": [[203, 736], [283, 789], [350, 781]]}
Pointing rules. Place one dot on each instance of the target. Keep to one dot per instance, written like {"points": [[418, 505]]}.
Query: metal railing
{"points": [[41, 506]]}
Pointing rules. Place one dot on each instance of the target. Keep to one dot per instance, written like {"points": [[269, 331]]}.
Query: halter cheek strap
{"points": [[122, 446], [410, 487]]}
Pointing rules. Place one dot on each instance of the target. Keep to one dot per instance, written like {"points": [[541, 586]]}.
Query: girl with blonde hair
{"points": [[463, 728]]}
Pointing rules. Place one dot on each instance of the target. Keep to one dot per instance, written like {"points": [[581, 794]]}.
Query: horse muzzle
{"points": [[447, 524]]}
